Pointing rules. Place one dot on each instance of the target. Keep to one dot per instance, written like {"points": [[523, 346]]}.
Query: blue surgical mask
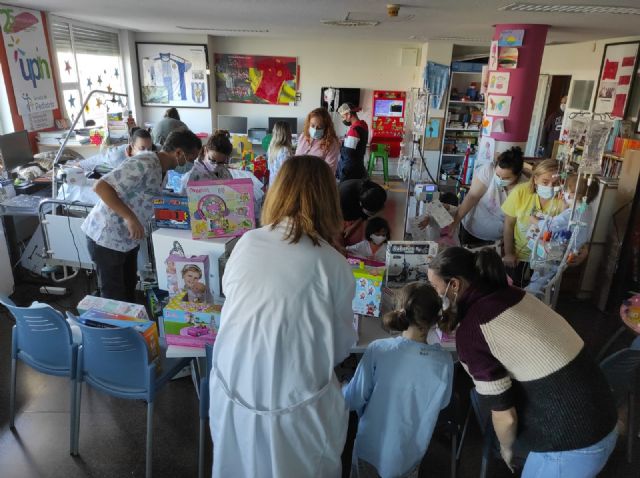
{"points": [[501, 183], [545, 192], [316, 133]]}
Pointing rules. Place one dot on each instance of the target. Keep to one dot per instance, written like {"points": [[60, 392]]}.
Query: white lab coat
{"points": [[363, 249], [276, 409]]}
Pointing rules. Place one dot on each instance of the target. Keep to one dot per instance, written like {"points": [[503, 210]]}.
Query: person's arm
{"points": [[352, 228], [477, 190], [505, 424], [358, 391], [110, 197], [332, 156], [508, 238]]}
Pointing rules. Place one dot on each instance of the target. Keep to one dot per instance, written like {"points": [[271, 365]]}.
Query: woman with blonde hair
{"points": [[526, 204], [276, 406], [280, 148], [319, 138]]}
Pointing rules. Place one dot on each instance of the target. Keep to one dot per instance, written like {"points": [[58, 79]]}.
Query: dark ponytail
{"points": [[418, 304], [484, 268], [512, 159]]}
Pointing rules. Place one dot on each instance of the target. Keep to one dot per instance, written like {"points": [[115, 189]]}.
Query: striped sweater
{"points": [[520, 353]]}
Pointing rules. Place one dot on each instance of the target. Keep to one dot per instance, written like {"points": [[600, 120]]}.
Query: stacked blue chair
{"points": [[204, 410], [116, 362], [42, 339]]}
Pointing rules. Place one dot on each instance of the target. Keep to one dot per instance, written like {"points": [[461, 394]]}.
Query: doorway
{"points": [[559, 87], [551, 89]]}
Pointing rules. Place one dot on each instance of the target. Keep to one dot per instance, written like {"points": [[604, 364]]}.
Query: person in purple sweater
{"points": [[529, 367]]}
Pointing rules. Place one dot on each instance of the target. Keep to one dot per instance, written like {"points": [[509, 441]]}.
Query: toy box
{"points": [[223, 208], [146, 328], [174, 181], [112, 307], [407, 261], [190, 324], [171, 212], [368, 296], [189, 275]]}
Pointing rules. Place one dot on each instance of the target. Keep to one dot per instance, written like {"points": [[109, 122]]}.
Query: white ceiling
{"points": [[419, 20]]}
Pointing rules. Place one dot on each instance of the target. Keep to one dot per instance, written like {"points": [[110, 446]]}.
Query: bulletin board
{"points": [[617, 71], [269, 80], [173, 74]]}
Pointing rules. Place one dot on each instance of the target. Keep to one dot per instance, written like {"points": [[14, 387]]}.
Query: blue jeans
{"points": [[582, 463]]}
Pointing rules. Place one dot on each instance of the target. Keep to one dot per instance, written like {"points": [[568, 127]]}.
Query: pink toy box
{"points": [[190, 324]]}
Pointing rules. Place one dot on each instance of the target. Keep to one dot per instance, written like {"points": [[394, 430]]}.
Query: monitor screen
{"points": [[392, 108], [16, 150], [293, 123], [233, 124]]}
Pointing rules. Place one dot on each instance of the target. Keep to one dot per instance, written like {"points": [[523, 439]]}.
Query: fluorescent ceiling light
{"points": [[350, 23], [598, 9], [226, 30], [462, 39]]}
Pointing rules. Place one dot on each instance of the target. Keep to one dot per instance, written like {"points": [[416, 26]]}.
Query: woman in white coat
{"points": [[276, 407]]}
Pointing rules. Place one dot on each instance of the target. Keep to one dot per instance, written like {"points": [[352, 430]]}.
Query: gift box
{"points": [[368, 295], [146, 328], [223, 208], [112, 306], [171, 212], [407, 261], [190, 324]]}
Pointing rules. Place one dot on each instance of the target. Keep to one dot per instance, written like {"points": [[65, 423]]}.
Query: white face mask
{"points": [[567, 197], [316, 133], [501, 183], [446, 302], [377, 240], [545, 192], [563, 107]]}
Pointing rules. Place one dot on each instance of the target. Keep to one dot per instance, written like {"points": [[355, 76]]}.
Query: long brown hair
{"points": [[330, 137], [304, 193]]}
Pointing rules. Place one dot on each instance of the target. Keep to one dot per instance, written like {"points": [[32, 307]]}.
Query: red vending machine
{"points": [[388, 120]]}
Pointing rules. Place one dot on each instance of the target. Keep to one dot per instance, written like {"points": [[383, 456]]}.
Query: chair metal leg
{"points": [[12, 394], [464, 431], [385, 169], [201, 449], [631, 426], [72, 416], [78, 401], [454, 446], [149, 439]]}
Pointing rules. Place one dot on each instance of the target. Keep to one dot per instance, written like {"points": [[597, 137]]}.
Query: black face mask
{"points": [[346, 123]]}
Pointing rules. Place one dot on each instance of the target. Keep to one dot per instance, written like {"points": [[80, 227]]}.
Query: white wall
{"points": [[323, 62]]}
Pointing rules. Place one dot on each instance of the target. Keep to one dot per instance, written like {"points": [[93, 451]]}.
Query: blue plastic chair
{"points": [[116, 362], [42, 339], [622, 369], [204, 409]]}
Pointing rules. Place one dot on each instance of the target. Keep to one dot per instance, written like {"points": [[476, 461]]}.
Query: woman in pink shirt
{"points": [[319, 138]]}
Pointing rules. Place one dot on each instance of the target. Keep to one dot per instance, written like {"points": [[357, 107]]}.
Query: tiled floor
{"points": [[112, 436]]}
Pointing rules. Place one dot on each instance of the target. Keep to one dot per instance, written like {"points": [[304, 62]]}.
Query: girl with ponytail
{"points": [[399, 388], [504, 335]]}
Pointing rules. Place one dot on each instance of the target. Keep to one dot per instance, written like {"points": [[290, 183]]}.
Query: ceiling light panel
{"points": [[225, 30], [586, 9]]}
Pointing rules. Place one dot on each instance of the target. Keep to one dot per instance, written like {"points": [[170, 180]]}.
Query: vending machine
{"points": [[388, 120]]}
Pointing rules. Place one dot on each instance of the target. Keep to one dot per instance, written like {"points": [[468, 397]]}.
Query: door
{"points": [[537, 119]]}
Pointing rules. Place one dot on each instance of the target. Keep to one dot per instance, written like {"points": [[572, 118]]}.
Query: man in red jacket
{"points": [[354, 146]]}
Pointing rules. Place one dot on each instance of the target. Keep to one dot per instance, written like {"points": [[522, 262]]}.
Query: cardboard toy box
{"points": [[368, 296], [172, 212], [407, 261], [112, 307], [146, 328], [190, 324]]}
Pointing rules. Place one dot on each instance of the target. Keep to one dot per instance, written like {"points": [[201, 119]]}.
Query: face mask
{"points": [[501, 183], [185, 168], [563, 107], [545, 192], [567, 197], [346, 123], [377, 240], [446, 302], [316, 133]]}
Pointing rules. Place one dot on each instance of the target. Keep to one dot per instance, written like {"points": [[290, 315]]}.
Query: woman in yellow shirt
{"points": [[537, 197]]}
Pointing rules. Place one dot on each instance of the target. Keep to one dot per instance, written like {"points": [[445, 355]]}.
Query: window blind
{"points": [[86, 40]]}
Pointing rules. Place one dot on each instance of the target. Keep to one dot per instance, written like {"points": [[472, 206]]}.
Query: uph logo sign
{"points": [[36, 68]]}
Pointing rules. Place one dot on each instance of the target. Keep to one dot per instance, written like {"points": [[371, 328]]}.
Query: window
{"points": [[88, 58]]}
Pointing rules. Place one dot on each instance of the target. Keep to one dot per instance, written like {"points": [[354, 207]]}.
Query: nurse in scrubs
{"points": [[276, 406]]}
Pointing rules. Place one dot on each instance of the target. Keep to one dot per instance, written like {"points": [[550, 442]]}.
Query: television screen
{"points": [[390, 108], [293, 123], [233, 124]]}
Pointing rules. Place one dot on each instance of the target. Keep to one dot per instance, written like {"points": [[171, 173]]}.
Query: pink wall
{"points": [[523, 81]]}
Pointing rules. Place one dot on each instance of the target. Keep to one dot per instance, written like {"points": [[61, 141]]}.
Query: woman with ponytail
{"points": [[399, 388], [529, 367]]}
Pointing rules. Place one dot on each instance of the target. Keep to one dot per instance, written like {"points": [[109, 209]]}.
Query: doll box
{"points": [[222, 208], [171, 212], [112, 306], [146, 328], [190, 324], [368, 295]]}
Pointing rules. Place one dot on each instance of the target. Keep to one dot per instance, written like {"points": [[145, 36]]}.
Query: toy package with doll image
{"points": [[189, 276], [190, 324], [223, 208], [368, 295]]}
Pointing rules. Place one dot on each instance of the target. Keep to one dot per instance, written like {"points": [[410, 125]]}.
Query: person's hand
{"points": [[507, 456], [450, 230], [136, 229], [509, 260], [424, 223]]}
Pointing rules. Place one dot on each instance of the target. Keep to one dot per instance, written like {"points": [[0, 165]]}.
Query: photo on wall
{"points": [[619, 64], [173, 75]]}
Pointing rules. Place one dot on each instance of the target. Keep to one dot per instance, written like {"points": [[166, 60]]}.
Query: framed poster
{"points": [[617, 71], [271, 80], [172, 74]]}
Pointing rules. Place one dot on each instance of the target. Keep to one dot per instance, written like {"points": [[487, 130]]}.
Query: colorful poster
{"points": [[28, 57], [487, 126], [173, 75], [271, 80], [618, 105], [498, 105], [508, 57], [498, 82], [493, 56], [511, 38], [486, 150], [618, 66]]}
